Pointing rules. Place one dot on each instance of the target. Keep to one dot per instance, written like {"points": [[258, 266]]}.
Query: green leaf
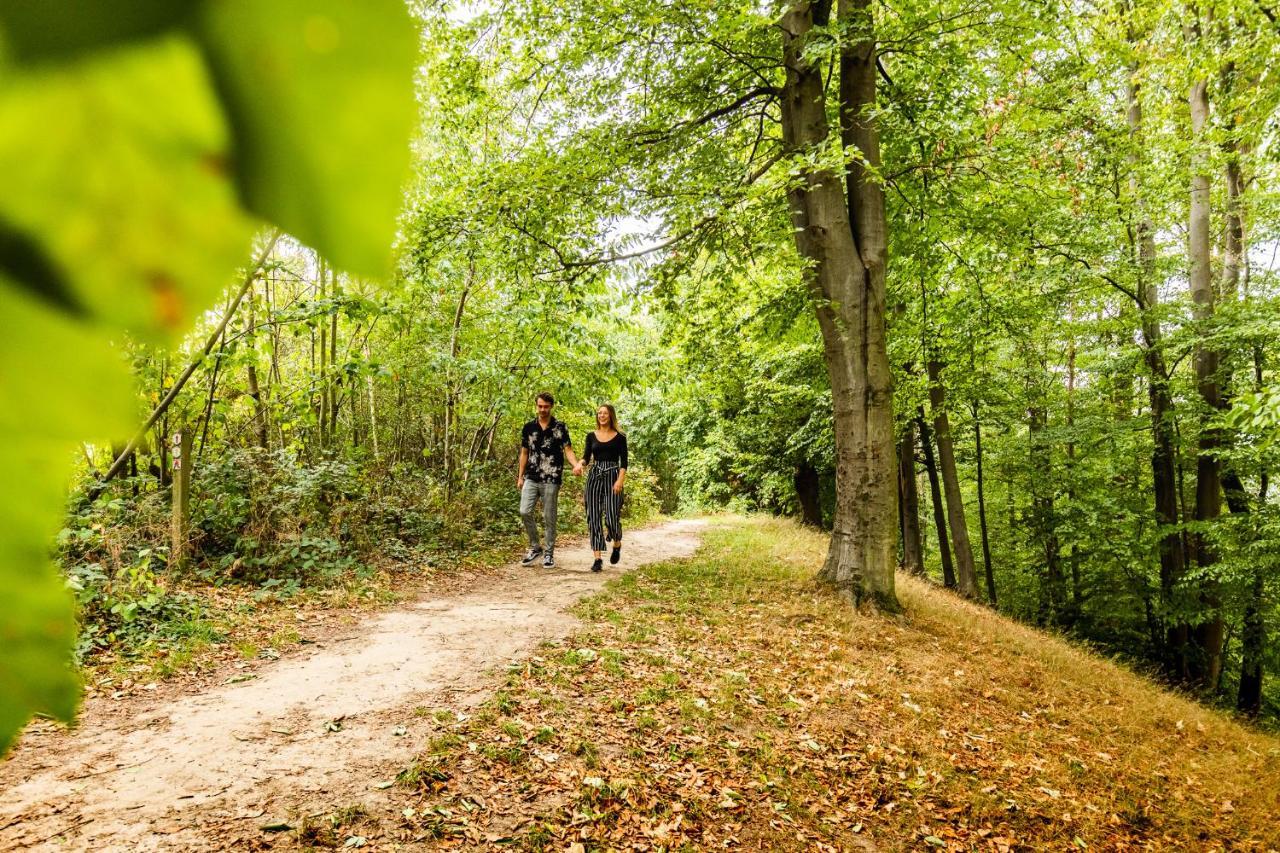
{"points": [[320, 96], [120, 211], [61, 382], [125, 185], [56, 29]]}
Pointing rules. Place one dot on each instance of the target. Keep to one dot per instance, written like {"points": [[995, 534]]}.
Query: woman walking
{"points": [[606, 452]]}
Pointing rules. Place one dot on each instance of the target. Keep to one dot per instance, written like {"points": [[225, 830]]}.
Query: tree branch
{"points": [[1054, 250], [650, 137], [679, 238], [163, 405]]}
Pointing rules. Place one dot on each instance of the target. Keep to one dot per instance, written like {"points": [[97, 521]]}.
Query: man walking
{"points": [[544, 443]]}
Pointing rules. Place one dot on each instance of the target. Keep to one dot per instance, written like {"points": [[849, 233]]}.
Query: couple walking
{"points": [[544, 444]]}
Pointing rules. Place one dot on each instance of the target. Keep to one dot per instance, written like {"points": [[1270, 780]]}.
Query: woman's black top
{"points": [[613, 450]]}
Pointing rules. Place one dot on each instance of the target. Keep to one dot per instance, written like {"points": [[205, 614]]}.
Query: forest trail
{"points": [[207, 770]]}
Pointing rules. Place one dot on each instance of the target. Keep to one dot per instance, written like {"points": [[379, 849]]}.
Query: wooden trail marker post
{"points": [[181, 496]]}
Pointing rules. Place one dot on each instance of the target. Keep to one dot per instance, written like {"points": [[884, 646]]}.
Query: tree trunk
{"points": [[1253, 634], [316, 409], [259, 408], [1253, 638], [1043, 522], [912, 552], [335, 381], [1233, 258], [373, 407], [451, 391], [164, 403], [213, 394], [935, 495], [1233, 237], [966, 574], [255, 392], [1253, 641], [320, 372], [162, 444], [1163, 454], [846, 281], [1208, 634], [181, 498], [401, 435], [273, 375], [1077, 594], [982, 510], [807, 494]]}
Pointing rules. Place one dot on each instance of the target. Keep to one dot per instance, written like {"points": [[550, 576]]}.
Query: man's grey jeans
{"points": [[550, 494]]}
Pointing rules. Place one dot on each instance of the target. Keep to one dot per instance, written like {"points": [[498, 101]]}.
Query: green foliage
{"points": [[1017, 194], [320, 95], [137, 175], [1256, 414], [130, 131], [63, 29], [130, 608], [754, 404], [598, 209], [39, 420]]}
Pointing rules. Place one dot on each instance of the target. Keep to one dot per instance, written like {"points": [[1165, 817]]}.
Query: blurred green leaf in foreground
{"points": [[142, 144]]}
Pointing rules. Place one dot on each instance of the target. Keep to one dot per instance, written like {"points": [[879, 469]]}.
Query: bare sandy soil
{"points": [[208, 770]]}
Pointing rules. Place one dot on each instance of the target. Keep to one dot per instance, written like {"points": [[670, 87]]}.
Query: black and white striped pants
{"points": [[604, 508]]}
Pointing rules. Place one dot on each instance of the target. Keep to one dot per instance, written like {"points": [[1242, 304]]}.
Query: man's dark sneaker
{"points": [[549, 560], [616, 555], [533, 554], [598, 565]]}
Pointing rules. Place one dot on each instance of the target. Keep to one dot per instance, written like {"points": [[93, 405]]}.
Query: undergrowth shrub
{"points": [[130, 607], [280, 524]]}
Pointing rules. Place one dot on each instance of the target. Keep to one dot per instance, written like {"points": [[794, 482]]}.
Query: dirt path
{"points": [[208, 770]]}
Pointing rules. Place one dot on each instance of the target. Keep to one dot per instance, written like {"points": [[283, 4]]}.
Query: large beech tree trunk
{"points": [[843, 241], [966, 574], [1205, 661], [1163, 455], [1253, 630]]}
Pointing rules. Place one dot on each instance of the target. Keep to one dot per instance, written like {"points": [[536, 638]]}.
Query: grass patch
{"points": [[328, 830], [419, 774], [444, 744], [730, 701]]}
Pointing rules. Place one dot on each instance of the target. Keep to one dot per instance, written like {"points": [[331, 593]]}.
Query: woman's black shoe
{"points": [[598, 565], [616, 555]]}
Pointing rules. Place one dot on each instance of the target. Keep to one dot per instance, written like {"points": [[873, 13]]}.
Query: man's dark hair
{"points": [[546, 395]]}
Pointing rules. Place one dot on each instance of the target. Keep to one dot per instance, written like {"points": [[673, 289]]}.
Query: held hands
{"points": [[577, 469]]}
